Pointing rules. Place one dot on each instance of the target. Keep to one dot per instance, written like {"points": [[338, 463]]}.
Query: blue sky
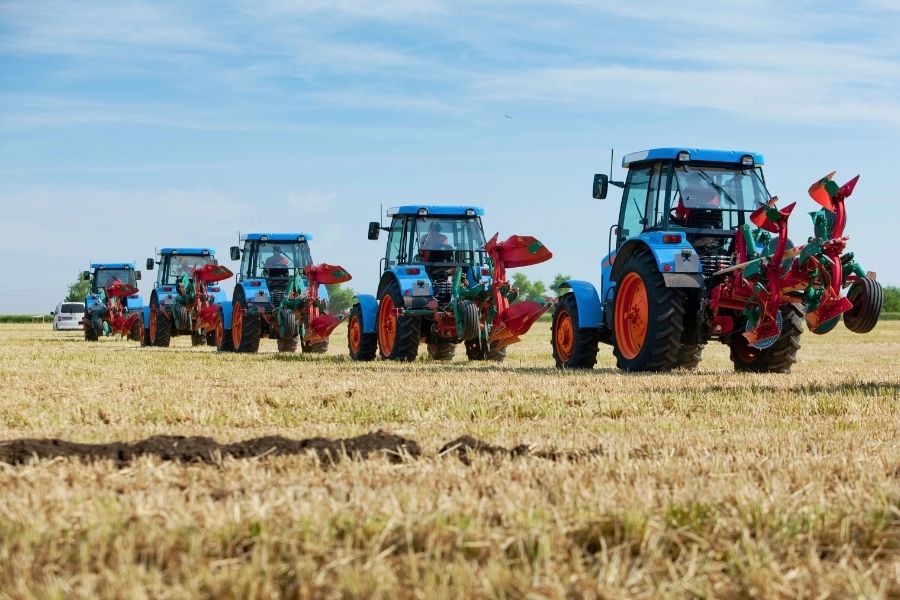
{"points": [[126, 125]]}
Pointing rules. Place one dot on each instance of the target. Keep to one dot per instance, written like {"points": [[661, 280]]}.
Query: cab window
{"points": [[395, 245], [633, 215]]}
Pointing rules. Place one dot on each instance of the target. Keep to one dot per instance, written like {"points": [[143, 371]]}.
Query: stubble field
{"points": [[594, 484]]}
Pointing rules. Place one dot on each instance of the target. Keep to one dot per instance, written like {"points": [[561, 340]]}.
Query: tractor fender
{"points": [[368, 306], [217, 293], [413, 280], [671, 258], [226, 306], [255, 291], [134, 304], [145, 316], [590, 313]]}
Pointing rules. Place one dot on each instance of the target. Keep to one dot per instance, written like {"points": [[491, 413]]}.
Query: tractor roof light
{"points": [[423, 211], [747, 160], [683, 156], [470, 212], [206, 253], [301, 238], [264, 238]]}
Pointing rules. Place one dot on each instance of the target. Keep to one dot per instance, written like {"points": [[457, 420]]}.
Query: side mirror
{"points": [[374, 230], [137, 275], [235, 253], [601, 186], [86, 275], [150, 264], [52, 313]]}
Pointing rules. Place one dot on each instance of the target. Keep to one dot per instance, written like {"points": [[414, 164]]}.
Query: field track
{"points": [[180, 472]]}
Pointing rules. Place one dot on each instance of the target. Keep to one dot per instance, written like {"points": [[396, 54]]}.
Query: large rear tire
{"points": [[777, 358], [690, 355], [362, 346], [398, 337], [867, 298], [245, 325], [648, 318], [573, 347]]}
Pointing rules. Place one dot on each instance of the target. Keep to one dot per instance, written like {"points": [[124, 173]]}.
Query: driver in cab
{"points": [[433, 240], [277, 260]]}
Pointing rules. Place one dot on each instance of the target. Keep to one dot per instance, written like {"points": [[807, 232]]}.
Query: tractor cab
{"points": [[273, 258], [175, 262], [106, 275], [436, 239], [689, 198]]}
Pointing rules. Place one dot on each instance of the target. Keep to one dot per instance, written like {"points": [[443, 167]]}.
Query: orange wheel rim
{"points": [[387, 325], [354, 334], [237, 326], [220, 331], [153, 324], [565, 336], [631, 318]]}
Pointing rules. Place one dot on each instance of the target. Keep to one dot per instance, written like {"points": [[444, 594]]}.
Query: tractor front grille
{"points": [[710, 263]]}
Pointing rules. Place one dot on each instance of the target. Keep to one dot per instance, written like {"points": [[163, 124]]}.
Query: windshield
{"points": [[715, 197], [448, 240], [714, 187], [104, 278], [184, 264], [72, 308], [279, 259]]}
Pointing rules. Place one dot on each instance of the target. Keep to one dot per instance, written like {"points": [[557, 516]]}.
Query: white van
{"points": [[67, 315]]}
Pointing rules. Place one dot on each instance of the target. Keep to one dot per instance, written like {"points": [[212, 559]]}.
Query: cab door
{"points": [[633, 212]]}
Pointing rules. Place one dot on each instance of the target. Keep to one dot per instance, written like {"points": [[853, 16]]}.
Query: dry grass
{"points": [[711, 483]]}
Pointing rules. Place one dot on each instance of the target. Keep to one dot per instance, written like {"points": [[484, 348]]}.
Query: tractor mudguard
{"points": [[678, 257], [134, 304], [257, 292], [590, 313], [414, 281], [145, 315], [226, 312], [369, 308]]}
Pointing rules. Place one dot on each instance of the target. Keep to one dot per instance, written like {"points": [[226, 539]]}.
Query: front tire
{"points": [[160, 325], [777, 358], [362, 346], [573, 347], [648, 318], [223, 339], [245, 325], [398, 337], [690, 355], [90, 334]]}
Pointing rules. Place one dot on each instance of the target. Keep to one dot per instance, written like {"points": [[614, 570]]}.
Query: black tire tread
{"points": [[666, 314], [406, 344], [443, 351], [780, 356], [863, 317]]}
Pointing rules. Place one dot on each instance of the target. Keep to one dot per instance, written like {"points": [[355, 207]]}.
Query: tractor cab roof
{"points": [[686, 155], [277, 237], [435, 211], [187, 251], [112, 265]]}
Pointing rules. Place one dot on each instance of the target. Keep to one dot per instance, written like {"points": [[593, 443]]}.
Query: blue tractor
{"points": [[280, 294], [113, 306], [185, 297], [441, 283], [676, 233]]}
